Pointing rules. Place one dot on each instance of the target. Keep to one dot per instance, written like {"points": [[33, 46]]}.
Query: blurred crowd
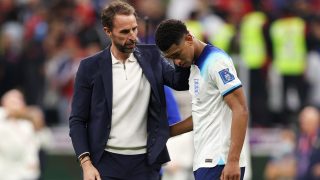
{"points": [[276, 42], [42, 43]]}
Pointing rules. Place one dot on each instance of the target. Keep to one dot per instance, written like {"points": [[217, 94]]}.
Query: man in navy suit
{"points": [[118, 121]]}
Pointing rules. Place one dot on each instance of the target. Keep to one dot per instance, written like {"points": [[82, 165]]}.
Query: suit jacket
{"points": [[314, 160], [90, 119]]}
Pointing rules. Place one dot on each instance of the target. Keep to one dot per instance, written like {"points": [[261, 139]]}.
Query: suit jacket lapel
{"points": [[105, 63], [147, 71]]}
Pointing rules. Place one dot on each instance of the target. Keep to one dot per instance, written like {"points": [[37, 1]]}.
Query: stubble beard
{"points": [[124, 48]]}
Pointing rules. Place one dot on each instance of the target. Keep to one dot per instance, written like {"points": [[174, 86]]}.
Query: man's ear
{"points": [[107, 31]]}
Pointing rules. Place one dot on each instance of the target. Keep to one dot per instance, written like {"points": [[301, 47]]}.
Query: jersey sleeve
{"points": [[224, 74]]}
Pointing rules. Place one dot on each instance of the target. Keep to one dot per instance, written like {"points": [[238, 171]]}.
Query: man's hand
{"points": [[89, 171], [231, 171]]}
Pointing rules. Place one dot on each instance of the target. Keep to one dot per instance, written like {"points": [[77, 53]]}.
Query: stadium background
{"points": [[42, 43]]}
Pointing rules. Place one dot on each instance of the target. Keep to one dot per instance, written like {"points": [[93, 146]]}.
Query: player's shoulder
{"points": [[212, 56], [218, 53]]}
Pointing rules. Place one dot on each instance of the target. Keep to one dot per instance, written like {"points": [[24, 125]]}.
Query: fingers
{"points": [[222, 175], [91, 173], [230, 177], [97, 176]]}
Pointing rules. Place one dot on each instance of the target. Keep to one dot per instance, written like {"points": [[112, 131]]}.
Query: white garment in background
{"points": [[19, 147], [181, 154], [180, 147], [180, 9]]}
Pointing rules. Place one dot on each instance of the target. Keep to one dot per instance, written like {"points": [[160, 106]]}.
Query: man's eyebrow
{"points": [[124, 30], [128, 30]]}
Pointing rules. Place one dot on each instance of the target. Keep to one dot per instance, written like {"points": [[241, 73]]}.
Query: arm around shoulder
{"points": [[174, 76]]}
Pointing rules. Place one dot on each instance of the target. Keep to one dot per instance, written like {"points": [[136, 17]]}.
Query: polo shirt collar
{"points": [[116, 61]]}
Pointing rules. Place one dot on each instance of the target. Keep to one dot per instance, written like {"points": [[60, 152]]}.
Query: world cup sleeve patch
{"points": [[226, 76]]}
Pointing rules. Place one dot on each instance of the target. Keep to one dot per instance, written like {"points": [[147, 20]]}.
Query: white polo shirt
{"points": [[130, 100], [212, 77]]}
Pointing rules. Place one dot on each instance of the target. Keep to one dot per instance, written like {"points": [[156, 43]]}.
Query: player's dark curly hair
{"points": [[169, 32]]}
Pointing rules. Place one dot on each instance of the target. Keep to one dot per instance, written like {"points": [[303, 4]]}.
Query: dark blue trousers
{"points": [[127, 167], [213, 173]]}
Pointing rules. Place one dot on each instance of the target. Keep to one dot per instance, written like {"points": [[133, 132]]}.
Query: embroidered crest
{"points": [[226, 76]]}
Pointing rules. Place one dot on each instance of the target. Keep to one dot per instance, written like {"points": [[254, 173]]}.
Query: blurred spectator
{"points": [[225, 33], [313, 78], [8, 11], [35, 31], [33, 76], [144, 35], [308, 145], [315, 6], [43, 134], [303, 9], [60, 72], [289, 58], [253, 52], [19, 146], [282, 162], [99, 4], [236, 8], [195, 26], [150, 12], [212, 23], [183, 12], [10, 56], [86, 28], [312, 71]]}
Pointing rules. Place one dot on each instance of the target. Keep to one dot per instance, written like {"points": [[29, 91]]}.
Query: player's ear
{"points": [[189, 38]]}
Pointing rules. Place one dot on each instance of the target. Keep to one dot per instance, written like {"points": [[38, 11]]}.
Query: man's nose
{"points": [[132, 35]]}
